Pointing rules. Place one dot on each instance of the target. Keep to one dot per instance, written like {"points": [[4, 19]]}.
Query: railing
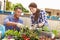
{"points": [[53, 17], [5, 12]]}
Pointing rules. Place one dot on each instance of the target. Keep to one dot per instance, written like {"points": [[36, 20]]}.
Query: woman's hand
{"points": [[40, 24]]}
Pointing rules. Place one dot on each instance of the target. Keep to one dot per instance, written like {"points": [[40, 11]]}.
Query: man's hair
{"points": [[17, 8]]}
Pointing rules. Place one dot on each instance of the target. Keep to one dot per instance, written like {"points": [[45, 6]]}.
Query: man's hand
{"points": [[14, 24], [20, 25], [11, 24]]}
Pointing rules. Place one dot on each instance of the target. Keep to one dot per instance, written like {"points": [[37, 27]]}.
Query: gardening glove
{"points": [[40, 24], [20, 25]]}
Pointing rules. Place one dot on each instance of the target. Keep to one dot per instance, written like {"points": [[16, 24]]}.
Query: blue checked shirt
{"points": [[42, 18]]}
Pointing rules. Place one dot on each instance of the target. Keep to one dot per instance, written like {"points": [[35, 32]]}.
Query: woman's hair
{"points": [[37, 12], [33, 5]]}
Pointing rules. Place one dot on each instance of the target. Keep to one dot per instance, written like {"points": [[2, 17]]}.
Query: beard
{"points": [[17, 16]]}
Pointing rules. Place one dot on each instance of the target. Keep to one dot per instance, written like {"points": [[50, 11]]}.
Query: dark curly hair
{"points": [[17, 8]]}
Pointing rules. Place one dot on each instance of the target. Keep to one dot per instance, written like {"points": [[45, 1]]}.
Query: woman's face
{"points": [[33, 10]]}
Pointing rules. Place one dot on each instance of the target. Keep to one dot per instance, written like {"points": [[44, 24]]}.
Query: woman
{"points": [[38, 16]]}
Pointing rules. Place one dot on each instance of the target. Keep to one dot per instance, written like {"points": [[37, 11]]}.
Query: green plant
{"points": [[25, 33], [9, 32], [45, 28], [55, 32]]}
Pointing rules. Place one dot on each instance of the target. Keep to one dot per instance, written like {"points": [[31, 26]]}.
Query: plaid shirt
{"points": [[42, 18]]}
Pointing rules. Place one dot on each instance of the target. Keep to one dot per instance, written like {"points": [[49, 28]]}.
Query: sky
{"points": [[42, 4]]}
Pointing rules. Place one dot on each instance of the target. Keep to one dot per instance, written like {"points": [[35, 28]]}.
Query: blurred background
{"points": [[51, 7]]}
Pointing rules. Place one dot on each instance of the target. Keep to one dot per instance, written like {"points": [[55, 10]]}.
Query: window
{"points": [[49, 13]]}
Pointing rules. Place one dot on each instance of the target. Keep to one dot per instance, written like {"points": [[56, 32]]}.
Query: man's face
{"points": [[18, 13]]}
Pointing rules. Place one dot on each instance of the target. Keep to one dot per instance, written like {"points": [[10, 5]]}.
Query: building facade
{"points": [[2, 5], [52, 12]]}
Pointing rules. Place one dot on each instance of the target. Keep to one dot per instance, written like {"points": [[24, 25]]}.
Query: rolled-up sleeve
{"points": [[6, 20]]}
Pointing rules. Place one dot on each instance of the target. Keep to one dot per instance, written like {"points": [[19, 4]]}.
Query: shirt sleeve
{"points": [[6, 20], [21, 21], [44, 18], [32, 22]]}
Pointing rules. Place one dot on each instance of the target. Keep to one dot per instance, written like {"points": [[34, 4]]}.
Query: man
{"points": [[11, 21]]}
